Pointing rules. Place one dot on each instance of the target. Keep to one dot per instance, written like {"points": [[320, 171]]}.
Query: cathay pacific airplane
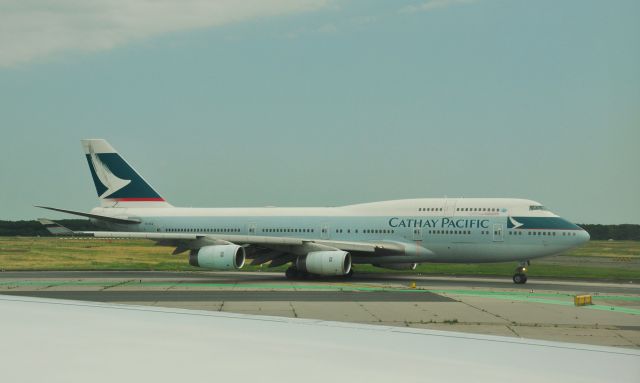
{"points": [[325, 241]]}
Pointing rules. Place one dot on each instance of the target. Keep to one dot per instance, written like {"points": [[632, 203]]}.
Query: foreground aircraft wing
{"points": [[71, 341]]}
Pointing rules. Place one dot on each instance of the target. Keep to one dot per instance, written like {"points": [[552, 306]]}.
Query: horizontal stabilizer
{"points": [[94, 216], [54, 227]]}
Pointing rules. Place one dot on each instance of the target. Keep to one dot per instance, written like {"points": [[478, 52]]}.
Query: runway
{"points": [[243, 278], [541, 309], [236, 296]]}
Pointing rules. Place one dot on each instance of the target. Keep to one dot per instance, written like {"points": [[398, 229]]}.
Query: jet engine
{"points": [[398, 266], [331, 262], [219, 257]]}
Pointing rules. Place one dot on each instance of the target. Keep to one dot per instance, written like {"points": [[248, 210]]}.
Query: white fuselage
{"points": [[437, 229]]}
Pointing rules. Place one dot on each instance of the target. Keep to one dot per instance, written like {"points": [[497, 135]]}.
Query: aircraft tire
{"points": [[291, 273], [519, 278]]}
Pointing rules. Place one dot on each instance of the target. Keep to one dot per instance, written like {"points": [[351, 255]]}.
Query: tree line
{"points": [[624, 232]]}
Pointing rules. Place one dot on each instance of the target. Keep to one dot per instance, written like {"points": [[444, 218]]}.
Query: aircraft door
{"points": [[324, 231], [251, 228], [417, 234], [449, 207], [498, 234]]}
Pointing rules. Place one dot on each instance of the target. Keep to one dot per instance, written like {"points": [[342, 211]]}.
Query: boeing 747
{"points": [[325, 241]]}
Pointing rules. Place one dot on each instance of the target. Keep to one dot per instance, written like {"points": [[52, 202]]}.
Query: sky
{"points": [[325, 102]]}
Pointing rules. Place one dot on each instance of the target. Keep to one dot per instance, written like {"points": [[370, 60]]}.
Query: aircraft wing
{"points": [[258, 240], [263, 248], [53, 341]]}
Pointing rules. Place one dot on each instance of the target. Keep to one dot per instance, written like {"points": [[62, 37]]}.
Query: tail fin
{"points": [[117, 183]]}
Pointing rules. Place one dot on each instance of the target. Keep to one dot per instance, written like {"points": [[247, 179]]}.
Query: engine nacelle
{"points": [[332, 262], [219, 257], [397, 266]]}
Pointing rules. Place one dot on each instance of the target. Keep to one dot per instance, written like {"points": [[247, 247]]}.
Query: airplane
{"points": [[324, 241]]}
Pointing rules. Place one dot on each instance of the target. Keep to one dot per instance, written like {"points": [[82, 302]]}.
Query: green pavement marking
{"points": [[626, 310], [527, 297], [616, 298], [330, 287], [528, 294], [547, 298], [57, 283]]}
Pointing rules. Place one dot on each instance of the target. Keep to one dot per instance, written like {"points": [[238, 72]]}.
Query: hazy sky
{"points": [[312, 102]]}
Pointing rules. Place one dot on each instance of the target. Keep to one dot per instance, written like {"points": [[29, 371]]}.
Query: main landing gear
{"points": [[294, 273], [520, 276]]}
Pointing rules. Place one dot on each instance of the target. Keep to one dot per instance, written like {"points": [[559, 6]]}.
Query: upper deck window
{"points": [[537, 207]]}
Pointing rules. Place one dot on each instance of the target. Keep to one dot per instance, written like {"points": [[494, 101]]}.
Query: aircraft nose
{"points": [[584, 236]]}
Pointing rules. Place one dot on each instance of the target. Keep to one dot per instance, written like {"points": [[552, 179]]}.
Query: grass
{"points": [[46, 253], [617, 260], [612, 249]]}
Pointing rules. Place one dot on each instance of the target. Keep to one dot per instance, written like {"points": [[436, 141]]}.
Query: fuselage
{"points": [[461, 230]]}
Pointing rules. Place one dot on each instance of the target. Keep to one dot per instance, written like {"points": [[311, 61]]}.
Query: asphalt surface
{"points": [[236, 296], [239, 278]]}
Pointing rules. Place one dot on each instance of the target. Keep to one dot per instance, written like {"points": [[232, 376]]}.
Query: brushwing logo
{"points": [[515, 223], [106, 176]]}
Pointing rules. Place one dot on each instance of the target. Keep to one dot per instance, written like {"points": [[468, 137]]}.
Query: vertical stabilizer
{"points": [[117, 183]]}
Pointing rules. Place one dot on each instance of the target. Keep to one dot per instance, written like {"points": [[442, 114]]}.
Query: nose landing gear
{"points": [[520, 276]]}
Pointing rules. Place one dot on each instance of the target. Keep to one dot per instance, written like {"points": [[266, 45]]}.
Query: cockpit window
{"points": [[537, 207]]}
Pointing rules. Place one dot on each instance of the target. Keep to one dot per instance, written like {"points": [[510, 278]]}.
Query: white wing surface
{"points": [[65, 341], [185, 241]]}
